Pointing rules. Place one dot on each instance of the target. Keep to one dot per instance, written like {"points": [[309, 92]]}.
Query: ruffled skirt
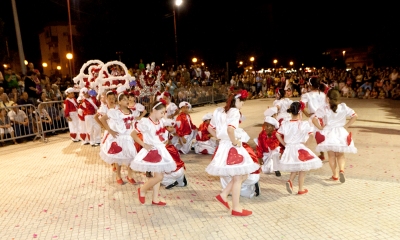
{"points": [[239, 163], [120, 150], [298, 157], [336, 140], [143, 163]]}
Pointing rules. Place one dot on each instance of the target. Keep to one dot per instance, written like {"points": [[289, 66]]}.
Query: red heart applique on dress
{"points": [[152, 157], [114, 149], [304, 155], [349, 139], [234, 157], [319, 137]]}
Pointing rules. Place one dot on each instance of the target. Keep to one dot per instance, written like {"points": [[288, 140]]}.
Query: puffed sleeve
{"points": [[282, 128], [349, 112], [304, 98], [320, 112], [139, 107], [103, 109], [233, 117], [143, 126]]}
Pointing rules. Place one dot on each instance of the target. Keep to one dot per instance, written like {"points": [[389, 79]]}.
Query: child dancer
{"points": [[231, 158], [81, 115], [205, 144], [153, 157], [90, 106], [296, 158], [268, 150], [185, 129], [172, 110], [106, 106], [282, 104], [117, 145], [177, 177], [138, 109], [334, 137], [313, 100], [71, 114]]}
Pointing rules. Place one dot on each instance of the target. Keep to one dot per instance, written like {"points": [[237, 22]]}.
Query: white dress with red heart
{"points": [[334, 137], [314, 100], [297, 157], [158, 159], [121, 149], [228, 159]]}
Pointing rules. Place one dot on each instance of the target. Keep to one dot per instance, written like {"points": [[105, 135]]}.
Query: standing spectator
{"points": [[30, 86], [11, 80], [49, 92], [258, 83], [393, 77], [141, 64], [14, 95]]}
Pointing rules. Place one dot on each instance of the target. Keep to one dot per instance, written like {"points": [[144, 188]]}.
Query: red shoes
{"points": [[334, 178], [141, 199], [322, 157], [219, 199], [159, 203], [302, 192], [341, 176], [131, 180], [289, 186], [120, 182], [244, 213]]}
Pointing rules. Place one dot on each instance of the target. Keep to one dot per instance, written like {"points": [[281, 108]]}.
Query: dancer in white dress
{"points": [[117, 145], [296, 158], [282, 104], [313, 100], [231, 158], [153, 157], [171, 109], [333, 136], [138, 109], [204, 143]]}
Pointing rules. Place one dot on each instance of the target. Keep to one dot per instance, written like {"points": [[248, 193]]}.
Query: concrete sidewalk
{"points": [[63, 190]]}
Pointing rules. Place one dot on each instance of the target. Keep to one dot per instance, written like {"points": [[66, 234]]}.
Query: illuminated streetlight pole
{"points": [[69, 57], [291, 64], [194, 60], [275, 61], [70, 33], [177, 3], [19, 38]]}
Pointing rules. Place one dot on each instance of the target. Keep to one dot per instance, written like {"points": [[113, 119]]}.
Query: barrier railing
{"points": [[18, 121]]}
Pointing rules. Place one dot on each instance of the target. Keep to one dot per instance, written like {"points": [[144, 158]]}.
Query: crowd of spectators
{"points": [[196, 84]]}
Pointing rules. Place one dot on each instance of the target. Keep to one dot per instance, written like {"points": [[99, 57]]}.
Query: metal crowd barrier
{"points": [[21, 122], [50, 117]]}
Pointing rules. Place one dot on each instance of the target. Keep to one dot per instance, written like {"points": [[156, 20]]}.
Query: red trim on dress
{"points": [[231, 126]]}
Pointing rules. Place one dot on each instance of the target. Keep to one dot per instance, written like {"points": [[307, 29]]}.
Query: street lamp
{"points": [[194, 60], [241, 63], [44, 64], [58, 67], [69, 57], [275, 61], [177, 3], [25, 62], [251, 59], [202, 64], [291, 64]]}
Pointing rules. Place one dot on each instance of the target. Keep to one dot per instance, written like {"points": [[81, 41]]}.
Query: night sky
{"points": [[214, 31]]}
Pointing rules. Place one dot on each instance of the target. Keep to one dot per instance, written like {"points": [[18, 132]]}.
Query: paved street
{"points": [[62, 190]]}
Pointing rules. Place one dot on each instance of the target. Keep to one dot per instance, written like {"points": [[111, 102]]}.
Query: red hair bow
{"points": [[163, 102], [243, 94], [114, 91]]}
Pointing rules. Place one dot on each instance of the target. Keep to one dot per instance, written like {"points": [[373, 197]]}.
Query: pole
{"points": [[70, 70], [70, 36], [176, 40], [19, 39]]}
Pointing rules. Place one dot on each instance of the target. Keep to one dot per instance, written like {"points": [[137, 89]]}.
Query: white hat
{"points": [[184, 104], [69, 90], [271, 111], [272, 121], [208, 116], [169, 123], [120, 89], [83, 90]]}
